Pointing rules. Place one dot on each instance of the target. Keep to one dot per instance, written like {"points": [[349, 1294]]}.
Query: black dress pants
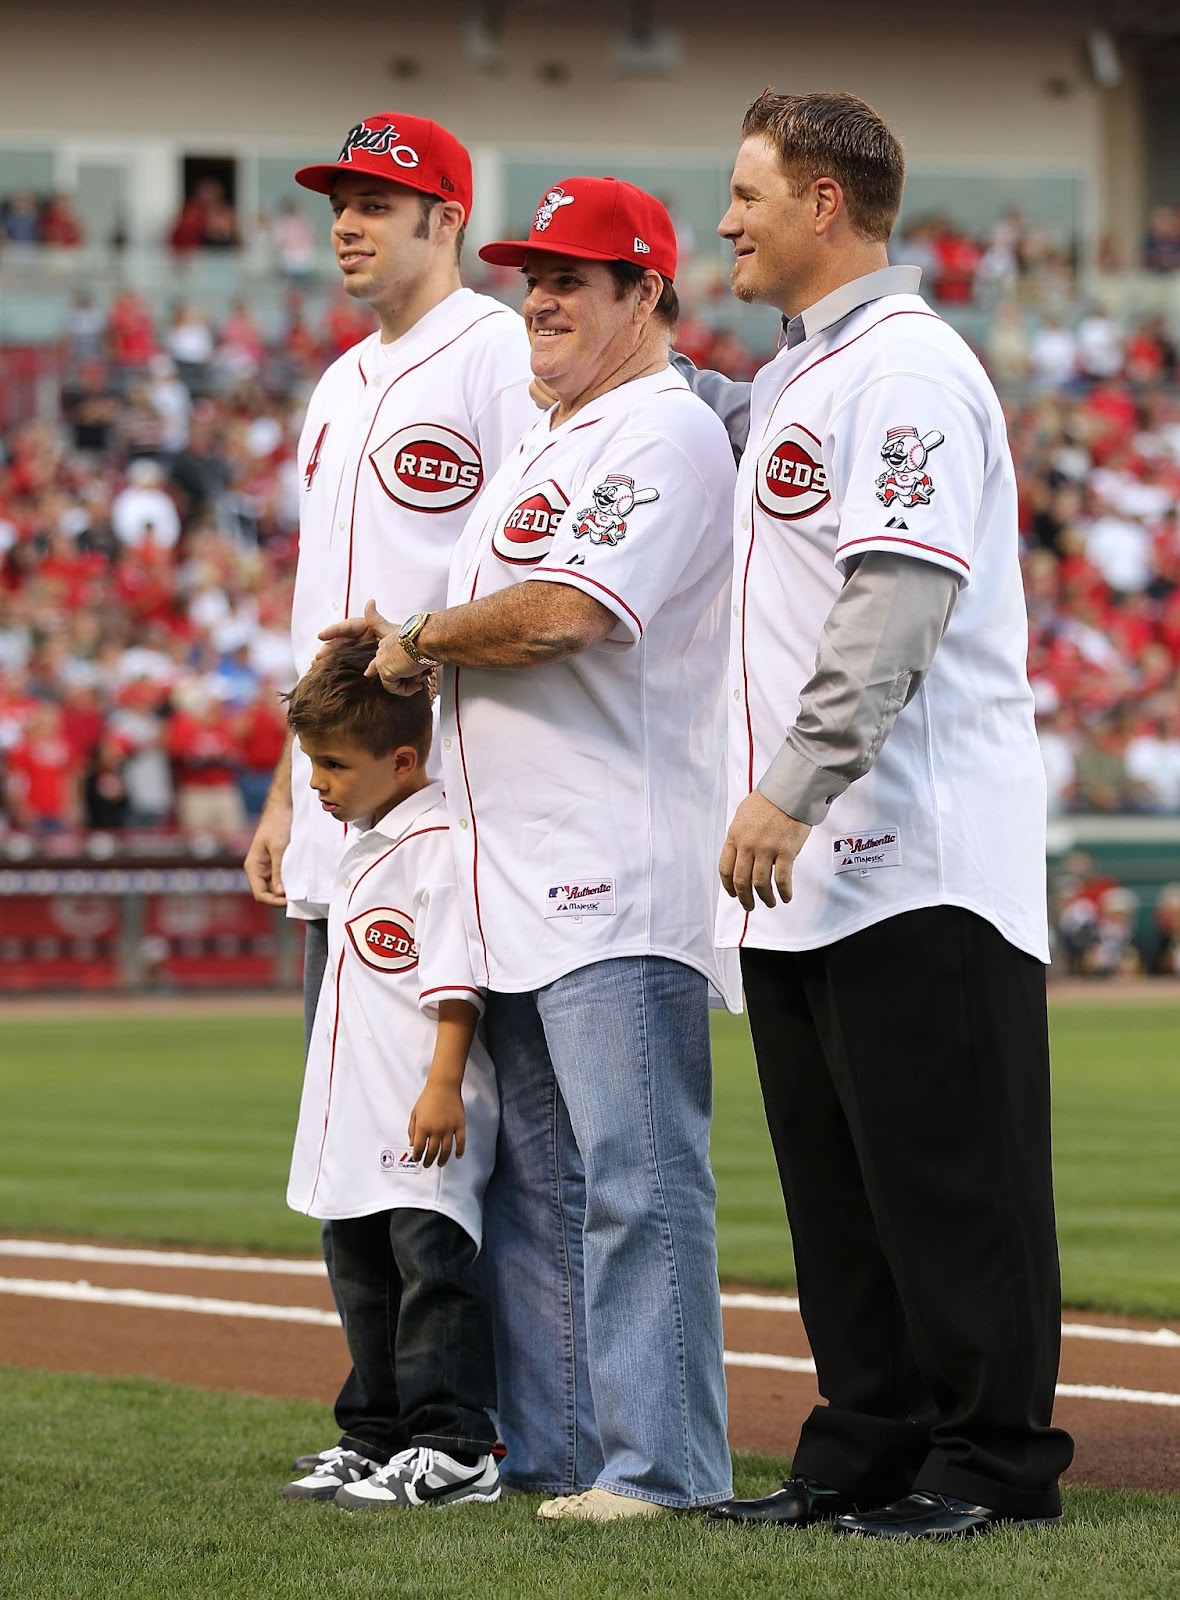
{"points": [[905, 1074]]}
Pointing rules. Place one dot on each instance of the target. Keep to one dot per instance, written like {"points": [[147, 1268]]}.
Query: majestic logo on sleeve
{"points": [[792, 480], [614, 500], [428, 468], [525, 535], [378, 142], [549, 207], [905, 481], [384, 940]]}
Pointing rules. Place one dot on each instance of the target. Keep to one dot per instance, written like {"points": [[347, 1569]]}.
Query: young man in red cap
{"points": [[582, 716], [402, 433]]}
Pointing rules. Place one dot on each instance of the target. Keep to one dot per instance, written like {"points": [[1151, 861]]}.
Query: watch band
{"points": [[408, 638]]}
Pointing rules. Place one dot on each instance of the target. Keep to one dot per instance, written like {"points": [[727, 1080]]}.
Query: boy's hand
{"points": [[437, 1121]]}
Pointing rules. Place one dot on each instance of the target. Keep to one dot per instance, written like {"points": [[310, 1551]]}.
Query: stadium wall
{"points": [[145, 85]]}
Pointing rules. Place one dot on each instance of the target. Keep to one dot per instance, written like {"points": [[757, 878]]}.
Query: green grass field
{"points": [[178, 1131], [148, 1492]]}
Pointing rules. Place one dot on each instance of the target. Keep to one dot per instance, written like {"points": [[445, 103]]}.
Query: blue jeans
{"points": [[602, 1237]]}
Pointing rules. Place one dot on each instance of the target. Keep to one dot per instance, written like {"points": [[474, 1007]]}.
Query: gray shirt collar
{"points": [[849, 297]]}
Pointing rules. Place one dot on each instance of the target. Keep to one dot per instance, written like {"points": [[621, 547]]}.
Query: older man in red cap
{"points": [[402, 433], [584, 650]]}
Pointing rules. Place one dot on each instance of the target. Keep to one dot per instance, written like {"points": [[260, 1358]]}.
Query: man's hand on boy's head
{"points": [[398, 673], [436, 1122]]}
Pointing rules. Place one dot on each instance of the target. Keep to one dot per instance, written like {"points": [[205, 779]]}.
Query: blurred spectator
{"points": [[1161, 246], [1009, 356], [1153, 763], [204, 757], [1053, 355], [261, 733], [1057, 752], [1100, 345], [1110, 950], [59, 223], [1103, 782], [41, 783], [295, 241], [207, 220], [131, 332], [1159, 948], [144, 513], [189, 340], [106, 796], [20, 219]]}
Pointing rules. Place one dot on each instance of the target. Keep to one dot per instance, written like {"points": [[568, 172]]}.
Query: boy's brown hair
{"points": [[334, 699], [835, 136]]}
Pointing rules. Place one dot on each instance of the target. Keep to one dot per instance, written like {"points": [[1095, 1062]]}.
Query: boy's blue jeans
{"points": [[601, 1237]]}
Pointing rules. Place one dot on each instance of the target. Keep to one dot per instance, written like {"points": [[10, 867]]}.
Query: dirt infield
{"points": [[1119, 1442]]}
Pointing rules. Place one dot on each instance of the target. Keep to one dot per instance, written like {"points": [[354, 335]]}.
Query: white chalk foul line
{"points": [[147, 1300], [111, 1255], [144, 1299], [294, 1267]]}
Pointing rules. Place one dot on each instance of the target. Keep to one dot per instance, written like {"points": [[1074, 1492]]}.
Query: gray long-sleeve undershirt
{"points": [[875, 649]]}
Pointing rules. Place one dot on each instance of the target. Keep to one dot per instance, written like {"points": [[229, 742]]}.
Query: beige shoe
{"points": [[597, 1505]]}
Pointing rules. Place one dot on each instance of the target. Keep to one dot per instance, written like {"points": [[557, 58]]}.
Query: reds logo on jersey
{"points": [[792, 480], [384, 939], [525, 536], [428, 468]]}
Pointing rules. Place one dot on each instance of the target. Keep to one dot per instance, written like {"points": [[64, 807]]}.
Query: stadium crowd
{"points": [[148, 536]]}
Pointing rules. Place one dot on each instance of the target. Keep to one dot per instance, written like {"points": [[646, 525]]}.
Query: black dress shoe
{"points": [[931, 1516], [799, 1503]]}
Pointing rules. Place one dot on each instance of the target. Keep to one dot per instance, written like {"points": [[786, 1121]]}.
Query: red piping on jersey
{"points": [[474, 830], [389, 387], [439, 827], [319, 1166], [572, 577], [593, 423], [888, 538], [746, 682], [819, 361], [451, 988]]}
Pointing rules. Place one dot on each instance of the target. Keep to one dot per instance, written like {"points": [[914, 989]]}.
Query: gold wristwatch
{"points": [[407, 637]]}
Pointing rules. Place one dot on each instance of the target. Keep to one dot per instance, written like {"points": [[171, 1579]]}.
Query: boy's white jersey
{"points": [[587, 795], [883, 432], [396, 948], [398, 444]]}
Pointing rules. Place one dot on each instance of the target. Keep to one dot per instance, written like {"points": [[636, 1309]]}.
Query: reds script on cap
{"points": [[595, 219], [413, 151]]}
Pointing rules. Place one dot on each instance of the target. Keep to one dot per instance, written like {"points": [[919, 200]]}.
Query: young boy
{"points": [[397, 1083]]}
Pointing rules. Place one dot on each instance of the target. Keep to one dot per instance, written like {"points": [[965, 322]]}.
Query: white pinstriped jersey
{"points": [[396, 948], [883, 432], [398, 444], [587, 795]]}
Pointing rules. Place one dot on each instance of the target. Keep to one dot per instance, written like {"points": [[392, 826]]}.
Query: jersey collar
{"points": [[849, 297], [398, 822]]}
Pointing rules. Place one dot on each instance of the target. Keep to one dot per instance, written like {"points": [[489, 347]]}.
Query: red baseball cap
{"points": [[413, 151], [595, 219]]}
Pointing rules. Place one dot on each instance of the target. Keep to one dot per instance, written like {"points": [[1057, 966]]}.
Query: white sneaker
{"points": [[337, 1467], [597, 1505], [422, 1477]]}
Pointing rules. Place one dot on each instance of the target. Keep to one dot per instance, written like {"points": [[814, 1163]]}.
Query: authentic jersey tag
{"points": [[863, 852], [589, 897], [399, 1161]]}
